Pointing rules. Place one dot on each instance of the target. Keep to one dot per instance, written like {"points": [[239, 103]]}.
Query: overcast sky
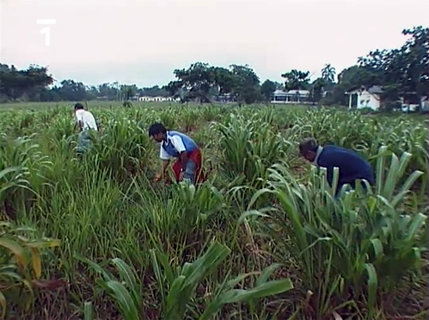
{"points": [[143, 41]]}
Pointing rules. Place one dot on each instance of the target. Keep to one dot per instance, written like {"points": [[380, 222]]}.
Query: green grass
{"points": [[129, 246]]}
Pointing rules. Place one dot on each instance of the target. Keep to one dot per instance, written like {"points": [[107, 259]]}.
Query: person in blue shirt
{"points": [[350, 164], [177, 145]]}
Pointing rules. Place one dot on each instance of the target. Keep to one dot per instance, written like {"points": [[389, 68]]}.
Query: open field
{"points": [[263, 238]]}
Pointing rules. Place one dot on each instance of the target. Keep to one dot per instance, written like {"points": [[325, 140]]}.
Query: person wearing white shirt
{"points": [[86, 122], [84, 119]]}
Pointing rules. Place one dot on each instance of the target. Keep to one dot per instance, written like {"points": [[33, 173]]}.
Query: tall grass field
{"points": [[93, 237]]}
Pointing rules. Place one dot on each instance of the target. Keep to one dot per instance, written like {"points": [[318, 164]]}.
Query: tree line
{"points": [[34, 84], [401, 72]]}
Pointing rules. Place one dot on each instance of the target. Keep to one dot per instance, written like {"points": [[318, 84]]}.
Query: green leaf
{"points": [[232, 283], [392, 177], [175, 298], [406, 187], [16, 249], [128, 275], [3, 305], [43, 243], [372, 286], [378, 248], [239, 295], [8, 170], [251, 213], [123, 299], [106, 275], [207, 263], [266, 273], [37, 262], [87, 310], [380, 168], [416, 225]]}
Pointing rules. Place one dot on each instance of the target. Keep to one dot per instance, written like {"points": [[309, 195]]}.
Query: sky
{"points": [[143, 41]]}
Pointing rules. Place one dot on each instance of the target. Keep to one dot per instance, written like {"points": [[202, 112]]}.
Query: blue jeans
{"points": [[191, 168], [83, 142]]}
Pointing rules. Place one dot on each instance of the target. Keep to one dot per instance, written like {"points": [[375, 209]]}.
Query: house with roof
{"points": [[291, 96], [362, 97]]}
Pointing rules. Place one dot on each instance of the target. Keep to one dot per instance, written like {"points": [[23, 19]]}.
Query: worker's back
{"points": [[351, 165]]}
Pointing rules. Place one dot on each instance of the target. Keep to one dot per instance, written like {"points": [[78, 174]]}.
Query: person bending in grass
{"points": [[86, 123], [351, 165], [173, 144]]}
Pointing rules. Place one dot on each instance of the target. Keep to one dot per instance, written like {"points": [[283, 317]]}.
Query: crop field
{"points": [[93, 237]]}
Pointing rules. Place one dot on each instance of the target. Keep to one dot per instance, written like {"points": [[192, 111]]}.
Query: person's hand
{"points": [[181, 175], [157, 178]]}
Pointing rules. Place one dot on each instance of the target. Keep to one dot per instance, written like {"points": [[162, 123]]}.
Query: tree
{"points": [[193, 83], [317, 89], [201, 82], [296, 80], [128, 91], [404, 71], [176, 90], [224, 80], [15, 83], [322, 87], [246, 84], [92, 93], [108, 91], [153, 92], [267, 89], [416, 51], [71, 90], [49, 95], [328, 73]]}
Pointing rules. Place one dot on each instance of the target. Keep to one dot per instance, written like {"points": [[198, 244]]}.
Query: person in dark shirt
{"points": [[350, 164]]}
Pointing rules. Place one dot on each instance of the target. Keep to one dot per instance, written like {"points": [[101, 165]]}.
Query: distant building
{"points": [[158, 99], [224, 98], [371, 98], [291, 96], [365, 98]]}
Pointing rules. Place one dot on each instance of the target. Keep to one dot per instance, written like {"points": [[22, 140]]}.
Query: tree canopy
{"points": [[16, 83], [267, 89], [200, 82], [296, 80]]}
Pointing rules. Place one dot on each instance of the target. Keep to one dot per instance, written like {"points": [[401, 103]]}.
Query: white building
{"points": [[365, 98], [158, 99], [291, 96]]}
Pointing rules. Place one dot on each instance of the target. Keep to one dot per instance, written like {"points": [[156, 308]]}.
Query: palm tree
{"points": [[328, 73]]}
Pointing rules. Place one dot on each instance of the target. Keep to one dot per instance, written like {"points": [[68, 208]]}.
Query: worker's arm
{"points": [[79, 121], [164, 165], [80, 125], [165, 160]]}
